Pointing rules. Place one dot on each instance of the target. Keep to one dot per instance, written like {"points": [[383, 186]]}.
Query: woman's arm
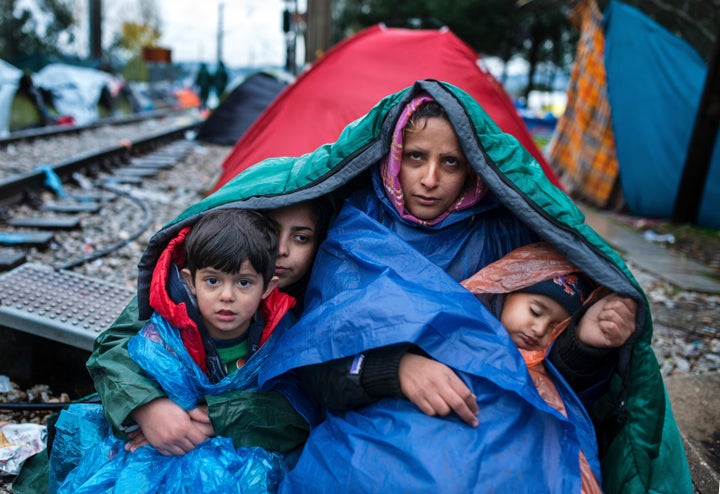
{"points": [[398, 371]]}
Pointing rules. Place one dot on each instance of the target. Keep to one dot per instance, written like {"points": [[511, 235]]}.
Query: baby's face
{"points": [[529, 319]]}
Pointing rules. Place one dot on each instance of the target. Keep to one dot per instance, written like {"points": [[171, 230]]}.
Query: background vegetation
{"points": [[536, 30]]}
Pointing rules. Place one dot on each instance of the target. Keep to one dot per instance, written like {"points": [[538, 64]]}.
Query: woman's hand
{"points": [[168, 428], [435, 388], [608, 323]]}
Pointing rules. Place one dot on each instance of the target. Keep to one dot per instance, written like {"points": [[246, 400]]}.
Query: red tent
{"points": [[357, 73]]}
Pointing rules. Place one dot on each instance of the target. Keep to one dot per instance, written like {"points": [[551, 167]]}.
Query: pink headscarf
{"points": [[390, 168]]}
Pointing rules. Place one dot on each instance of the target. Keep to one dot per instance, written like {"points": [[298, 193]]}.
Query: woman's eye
{"points": [[302, 239], [452, 162], [414, 155]]}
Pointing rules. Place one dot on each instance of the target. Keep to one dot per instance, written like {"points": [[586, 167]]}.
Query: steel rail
{"points": [[16, 189]]}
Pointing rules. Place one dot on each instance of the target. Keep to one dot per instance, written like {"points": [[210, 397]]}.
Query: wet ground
{"points": [[679, 270]]}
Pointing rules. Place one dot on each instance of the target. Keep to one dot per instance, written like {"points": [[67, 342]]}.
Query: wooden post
{"points": [[702, 143]]}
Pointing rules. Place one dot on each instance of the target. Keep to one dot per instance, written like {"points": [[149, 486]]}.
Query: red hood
{"points": [[273, 308]]}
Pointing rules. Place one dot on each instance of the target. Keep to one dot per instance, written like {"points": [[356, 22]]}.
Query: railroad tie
{"points": [[54, 223]]}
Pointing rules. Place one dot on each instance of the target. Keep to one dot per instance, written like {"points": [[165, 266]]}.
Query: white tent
{"points": [[76, 91], [9, 83]]}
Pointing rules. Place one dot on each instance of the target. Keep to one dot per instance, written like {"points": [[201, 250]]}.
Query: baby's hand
{"points": [[608, 323]]}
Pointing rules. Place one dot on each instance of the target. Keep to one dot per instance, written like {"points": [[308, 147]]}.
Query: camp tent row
{"points": [[63, 93], [633, 97]]}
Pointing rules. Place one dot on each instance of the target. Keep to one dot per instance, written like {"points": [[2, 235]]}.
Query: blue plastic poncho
{"points": [[87, 457], [373, 290]]}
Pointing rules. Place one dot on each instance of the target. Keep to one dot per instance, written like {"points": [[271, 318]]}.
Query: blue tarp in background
{"points": [[655, 82]]}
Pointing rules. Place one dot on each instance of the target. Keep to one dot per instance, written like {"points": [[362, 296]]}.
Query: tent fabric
{"points": [[9, 84], [655, 83], [583, 146], [344, 84], [644, 452], [76, 91], [229, 121], [633, 97]]}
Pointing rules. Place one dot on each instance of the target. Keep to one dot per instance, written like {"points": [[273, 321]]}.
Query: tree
{"points": [[538, 30], [43, 31], [134, 35]]}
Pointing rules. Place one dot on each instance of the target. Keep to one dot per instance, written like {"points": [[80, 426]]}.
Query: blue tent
{"points": [[655, 81]]}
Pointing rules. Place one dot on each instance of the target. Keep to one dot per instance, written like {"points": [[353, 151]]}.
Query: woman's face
{"points": [[297, 242], [434, 170]]}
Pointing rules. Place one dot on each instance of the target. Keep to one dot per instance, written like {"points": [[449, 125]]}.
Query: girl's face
{"points": [[297, 242], [529, 319], [433, 170]]}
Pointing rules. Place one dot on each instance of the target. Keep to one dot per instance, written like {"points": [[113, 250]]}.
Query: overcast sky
{"points": [[252, 31]]}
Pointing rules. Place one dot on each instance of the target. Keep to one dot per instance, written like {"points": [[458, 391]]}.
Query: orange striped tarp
{"points": [[582, 149]]}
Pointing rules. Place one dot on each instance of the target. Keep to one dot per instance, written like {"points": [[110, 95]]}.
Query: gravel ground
{"points": [[686, 339]]}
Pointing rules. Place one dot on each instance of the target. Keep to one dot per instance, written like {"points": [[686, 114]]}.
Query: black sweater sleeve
{"points": [[587, 369], [354, 382]]}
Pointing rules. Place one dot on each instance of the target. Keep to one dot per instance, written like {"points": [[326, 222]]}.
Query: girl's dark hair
{"points": [[323, 211], [223, 239]]}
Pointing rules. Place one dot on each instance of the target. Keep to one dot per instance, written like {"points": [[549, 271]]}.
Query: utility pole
{"points": [[220, 32], [702, 142], [95, 22], [318, 37], [290, 31]]}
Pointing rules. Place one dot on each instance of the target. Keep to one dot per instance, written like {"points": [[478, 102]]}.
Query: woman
{"points": [[425, 189]]}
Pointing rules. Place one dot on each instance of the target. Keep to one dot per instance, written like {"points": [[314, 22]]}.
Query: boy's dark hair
{"points": [[224, 238]]}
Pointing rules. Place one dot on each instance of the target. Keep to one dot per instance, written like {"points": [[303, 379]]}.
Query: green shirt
{"points": [[233, 357]]}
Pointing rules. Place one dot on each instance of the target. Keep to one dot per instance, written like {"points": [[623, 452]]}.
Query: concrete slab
{"points": [[695, 401], [650, 257]]}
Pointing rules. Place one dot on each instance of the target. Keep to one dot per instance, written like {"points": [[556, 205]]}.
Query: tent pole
{"points": [[702, 142]]}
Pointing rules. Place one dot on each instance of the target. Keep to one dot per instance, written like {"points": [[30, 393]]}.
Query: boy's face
{"points": [[227, 302], [529, 319], [297, 242], [433, 170]]}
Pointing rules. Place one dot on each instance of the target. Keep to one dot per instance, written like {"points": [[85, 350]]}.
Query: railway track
{"points": [[63, 274]]}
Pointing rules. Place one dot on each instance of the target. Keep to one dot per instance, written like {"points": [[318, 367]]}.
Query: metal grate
{"points": [[59, 305]]}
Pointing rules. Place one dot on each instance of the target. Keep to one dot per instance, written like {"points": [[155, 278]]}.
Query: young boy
{"points": [[208, 336], [535, 293]]}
